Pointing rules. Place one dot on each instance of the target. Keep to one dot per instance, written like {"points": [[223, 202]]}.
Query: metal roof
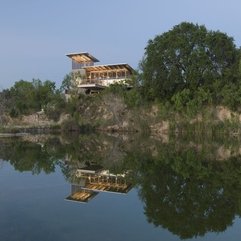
{"points": [[82, 57]]}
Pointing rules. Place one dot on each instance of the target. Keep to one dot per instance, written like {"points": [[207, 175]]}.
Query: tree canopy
{"points": [[188, 57]]}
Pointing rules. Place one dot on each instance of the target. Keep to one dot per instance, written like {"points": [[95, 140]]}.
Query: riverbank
{"points": [[111, 113], [2, 135]]}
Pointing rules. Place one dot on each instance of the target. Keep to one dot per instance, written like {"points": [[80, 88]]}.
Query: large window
{"points": [[76, 65]]}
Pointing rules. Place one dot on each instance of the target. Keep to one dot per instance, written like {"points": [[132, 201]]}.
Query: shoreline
{"points": [[20, 134]]}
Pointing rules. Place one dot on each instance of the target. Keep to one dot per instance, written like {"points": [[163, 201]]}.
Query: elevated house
{"points": [[93, 78]]}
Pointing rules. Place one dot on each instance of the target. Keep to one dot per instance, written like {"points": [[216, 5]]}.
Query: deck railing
{"points": [[101, 81]]}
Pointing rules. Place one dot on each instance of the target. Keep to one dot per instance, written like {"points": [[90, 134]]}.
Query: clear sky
{"points": [[35, 35]]}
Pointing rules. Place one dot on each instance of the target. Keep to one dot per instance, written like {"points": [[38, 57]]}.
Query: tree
{"points": [[44, 92], [28, 97], [66, 83], [70, 82], [22, 94], [239, 61], [188, 56], [2, 107]]}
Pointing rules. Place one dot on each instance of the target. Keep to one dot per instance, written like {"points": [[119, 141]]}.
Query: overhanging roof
{"points": [[109, 67], [82, 57]]}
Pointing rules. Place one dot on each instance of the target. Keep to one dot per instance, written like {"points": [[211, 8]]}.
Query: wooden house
{"points": [[93, 78]]}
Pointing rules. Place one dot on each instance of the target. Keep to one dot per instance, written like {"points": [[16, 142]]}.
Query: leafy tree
{"points": [[187, 57], [240, 63], [70, 82], [66, 83], [44, 92], [22, 94], [28, 97], [5, 101]]}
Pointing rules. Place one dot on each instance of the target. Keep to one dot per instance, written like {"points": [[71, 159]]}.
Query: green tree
{"points": [[28, 97], [22, 95], [44, 92], [69, 83], [66, 83], [5, 101], [188, 56]]}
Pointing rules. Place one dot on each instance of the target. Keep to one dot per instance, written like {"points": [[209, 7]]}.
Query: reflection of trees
{"points": [[107, 151], [27, 156], [69, 153], [186, 195], [183, 187], [1, 164]]}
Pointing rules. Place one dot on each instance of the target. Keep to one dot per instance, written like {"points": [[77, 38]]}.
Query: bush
{"points": [[55, 107], [191, 102], [231, 96]]}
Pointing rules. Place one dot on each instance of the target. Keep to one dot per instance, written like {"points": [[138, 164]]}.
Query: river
{"points": [[119, 187]]}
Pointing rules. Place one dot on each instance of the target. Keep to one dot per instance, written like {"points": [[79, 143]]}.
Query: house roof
{"points": [[82, 57], [109, 67]]}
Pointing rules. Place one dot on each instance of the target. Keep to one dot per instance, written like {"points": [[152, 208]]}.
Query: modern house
{"points": [[93, 78]]}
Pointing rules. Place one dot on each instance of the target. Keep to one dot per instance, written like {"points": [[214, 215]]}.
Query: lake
{"points": [[119, 187]]}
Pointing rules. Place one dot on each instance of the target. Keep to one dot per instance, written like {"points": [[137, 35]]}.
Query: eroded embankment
{"points": [[110, 113]]}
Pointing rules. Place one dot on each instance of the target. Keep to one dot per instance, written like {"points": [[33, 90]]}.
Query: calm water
{"points": [[119, 188]]}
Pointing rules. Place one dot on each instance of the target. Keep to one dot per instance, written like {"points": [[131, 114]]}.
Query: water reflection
{"points": [[190, 203], [189, 187], [91, 179]]}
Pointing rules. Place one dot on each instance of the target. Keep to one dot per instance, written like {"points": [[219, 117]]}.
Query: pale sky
{"points": [[35, 35]]}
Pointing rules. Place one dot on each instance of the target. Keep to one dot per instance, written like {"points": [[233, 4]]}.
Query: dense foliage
{"points": [[190, 62], [28, 97]]}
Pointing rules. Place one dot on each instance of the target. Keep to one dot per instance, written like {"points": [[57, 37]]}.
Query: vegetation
{"points": [[29, 97], [189, 59], [185, 194], [187, 186], [184, 71]]}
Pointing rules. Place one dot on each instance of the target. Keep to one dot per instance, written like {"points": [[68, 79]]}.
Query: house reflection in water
{"points": [[92, 179]]}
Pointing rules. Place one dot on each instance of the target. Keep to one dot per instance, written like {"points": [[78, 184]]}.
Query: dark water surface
{"points": [[119, 188]]}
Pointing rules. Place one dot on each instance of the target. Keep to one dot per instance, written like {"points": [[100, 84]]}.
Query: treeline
{"points": [[28, 97], [183, 70]]}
